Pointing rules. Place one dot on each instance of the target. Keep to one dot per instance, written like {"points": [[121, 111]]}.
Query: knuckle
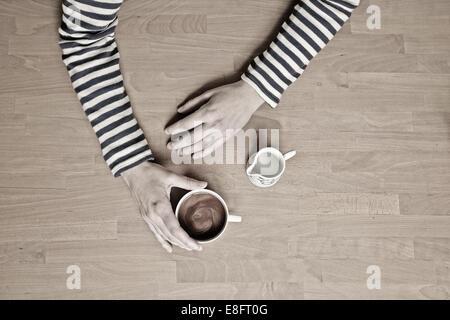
{"points": [[195, 148], [205, 144], [177, 141], [211, 114], [185, 151], [210, 140], [154, 205], [185, 138], [173, 231], [158, 208], [178, 233], [152, 216], [176, 137], [195, 118], [173, 227]]}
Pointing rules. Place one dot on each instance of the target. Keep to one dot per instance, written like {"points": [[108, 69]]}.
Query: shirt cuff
{"points": [[263, 89]]}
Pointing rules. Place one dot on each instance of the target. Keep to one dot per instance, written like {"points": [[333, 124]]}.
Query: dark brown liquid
{"points": [[202, 216]]}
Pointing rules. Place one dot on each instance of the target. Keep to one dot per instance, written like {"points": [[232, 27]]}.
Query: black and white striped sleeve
{"points": [[307, 31], [87, 39]]}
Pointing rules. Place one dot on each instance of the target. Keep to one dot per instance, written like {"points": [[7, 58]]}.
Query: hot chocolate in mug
{"points": [[204, 215]]}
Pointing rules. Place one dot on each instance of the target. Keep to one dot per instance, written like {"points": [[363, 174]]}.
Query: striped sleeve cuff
{"points": [[91, 56], [305, 33]]}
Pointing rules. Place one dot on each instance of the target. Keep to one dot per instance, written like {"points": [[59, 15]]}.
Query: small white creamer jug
{"points": [[266, 167]]}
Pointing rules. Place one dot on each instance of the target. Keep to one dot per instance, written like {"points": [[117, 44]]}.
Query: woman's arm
{"points": [[309, 28], [92, 59], [87, 39], [305, 33]]}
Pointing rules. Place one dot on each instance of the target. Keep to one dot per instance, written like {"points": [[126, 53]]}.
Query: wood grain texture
{"points": [[370, 185]]}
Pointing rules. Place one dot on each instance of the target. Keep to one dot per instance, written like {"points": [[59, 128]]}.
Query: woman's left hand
{"points": [[221, 113]]}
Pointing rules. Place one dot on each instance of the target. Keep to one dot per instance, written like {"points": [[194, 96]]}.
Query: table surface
{"points": [[370, 184]]}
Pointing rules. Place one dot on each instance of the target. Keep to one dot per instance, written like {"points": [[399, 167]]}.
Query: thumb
{"points": [[187, 183]]}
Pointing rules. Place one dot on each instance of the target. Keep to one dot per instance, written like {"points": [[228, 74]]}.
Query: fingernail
{"points": [[167, 131], [169, 145], [200, 248]]}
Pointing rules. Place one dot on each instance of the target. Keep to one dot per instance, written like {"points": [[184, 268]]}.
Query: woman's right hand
{"points": [[150, 185]]}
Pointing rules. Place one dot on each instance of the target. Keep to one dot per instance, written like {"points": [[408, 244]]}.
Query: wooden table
{"points": [[370, 185]]}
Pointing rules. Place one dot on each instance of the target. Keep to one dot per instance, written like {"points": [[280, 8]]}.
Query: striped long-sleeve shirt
{"points": [[87, 39], [307, 31], [92, 59]]}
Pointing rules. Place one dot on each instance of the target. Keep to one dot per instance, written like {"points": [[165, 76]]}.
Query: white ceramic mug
{"points": [[266, 167], [228, 217]]}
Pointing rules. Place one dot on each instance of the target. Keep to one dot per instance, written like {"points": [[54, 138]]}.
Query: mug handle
{"points": [[233, 218], [289, 155]]}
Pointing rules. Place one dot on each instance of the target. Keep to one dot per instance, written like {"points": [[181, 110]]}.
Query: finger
{"points": [[189, 122], [200, 145], [182, 139], [206, 135], [187, 240], [208, 150], [197, 101], [188, 138], [164, 212], [161, 225], [166, 235], [158, 225], [176, 231], [165, 244], [170, 237], [186, 182]]}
